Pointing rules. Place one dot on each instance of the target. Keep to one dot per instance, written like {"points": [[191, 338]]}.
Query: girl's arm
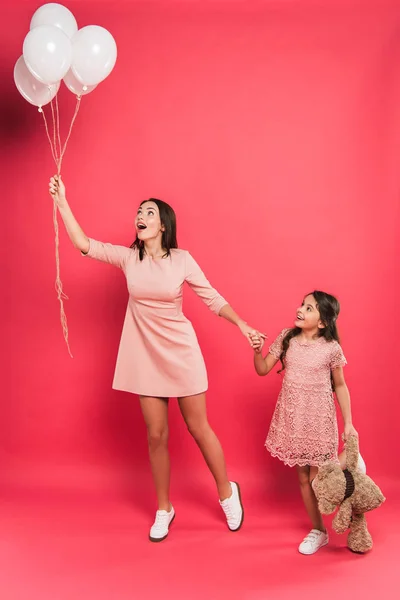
{"points": [[343, 398], [262, 365]]}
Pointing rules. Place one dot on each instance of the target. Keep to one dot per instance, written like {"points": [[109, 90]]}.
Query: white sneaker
{"points": [[159, 530], [361, 466], [313, 542], [233, 508]]}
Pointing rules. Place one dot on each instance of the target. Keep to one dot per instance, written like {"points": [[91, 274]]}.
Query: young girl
{"points": [[303, 431]]}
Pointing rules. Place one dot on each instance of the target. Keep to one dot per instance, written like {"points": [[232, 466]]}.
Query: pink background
{"points": [[273, 129], [275, 136]]}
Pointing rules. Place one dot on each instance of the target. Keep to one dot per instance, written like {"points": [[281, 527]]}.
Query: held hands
{"points": [[254, 337], [258, 342], [57, 190]]}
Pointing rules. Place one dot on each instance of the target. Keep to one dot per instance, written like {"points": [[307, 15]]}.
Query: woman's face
{"points": [[148, 224]]}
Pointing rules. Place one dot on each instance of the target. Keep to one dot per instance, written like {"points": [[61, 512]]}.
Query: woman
{"points": [[159, 355]]}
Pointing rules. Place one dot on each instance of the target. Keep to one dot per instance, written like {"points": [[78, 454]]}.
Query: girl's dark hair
{"points": [[168, 220], [329, 309]]}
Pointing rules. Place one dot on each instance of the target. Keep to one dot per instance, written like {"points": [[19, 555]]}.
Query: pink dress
{"points": [[303, 429], [159, 354]]}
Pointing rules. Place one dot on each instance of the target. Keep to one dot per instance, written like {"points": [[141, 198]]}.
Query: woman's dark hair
{"points": [[329, 309], [168, 220]]}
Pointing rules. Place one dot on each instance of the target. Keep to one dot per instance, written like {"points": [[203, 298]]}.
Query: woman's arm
{"points": [[215, 302], [74, 230], [108, 253], [229, 314]]}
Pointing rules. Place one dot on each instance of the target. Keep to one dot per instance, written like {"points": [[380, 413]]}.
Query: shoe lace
{"points": [[228, 509], [161, 520]]}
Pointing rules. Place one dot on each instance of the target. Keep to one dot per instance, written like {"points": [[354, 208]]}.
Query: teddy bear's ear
{"points": [[352, 452], [326, 469], [326, 507]]}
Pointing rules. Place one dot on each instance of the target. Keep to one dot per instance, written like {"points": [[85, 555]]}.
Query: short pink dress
{"points": [[159, 354], [303, 429]]}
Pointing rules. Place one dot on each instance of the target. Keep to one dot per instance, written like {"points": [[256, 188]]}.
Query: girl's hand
{"points": [[251, 334], [257, 343], [349, 430], [57, 190]]}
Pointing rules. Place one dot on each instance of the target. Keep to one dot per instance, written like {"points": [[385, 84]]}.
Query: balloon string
{"points": [[48, 137], [58, 125], [58, 283], [78, 103], [58, 157], [56, 150]]}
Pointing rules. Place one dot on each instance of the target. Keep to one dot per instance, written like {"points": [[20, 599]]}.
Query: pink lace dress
{"points": [[303, 429]]}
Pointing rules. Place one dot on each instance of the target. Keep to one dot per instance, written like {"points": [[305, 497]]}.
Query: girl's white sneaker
{"points": [[313, 542]]}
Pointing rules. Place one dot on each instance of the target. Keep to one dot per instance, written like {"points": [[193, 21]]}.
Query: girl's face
{"points": [[308, 317], [148, 223]]}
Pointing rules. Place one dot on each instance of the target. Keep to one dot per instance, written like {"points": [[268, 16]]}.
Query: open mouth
{"points": [[141, 226], [299, 317]]}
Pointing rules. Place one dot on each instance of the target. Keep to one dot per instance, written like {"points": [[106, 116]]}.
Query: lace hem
{"points": [[298, 462]]}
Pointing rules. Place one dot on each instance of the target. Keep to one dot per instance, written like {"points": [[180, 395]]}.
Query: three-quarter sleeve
{"points": [[109, 253], [201, 286]]}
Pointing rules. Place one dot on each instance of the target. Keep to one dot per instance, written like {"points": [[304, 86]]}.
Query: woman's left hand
{"points": [[349, 430], [250, 333]]}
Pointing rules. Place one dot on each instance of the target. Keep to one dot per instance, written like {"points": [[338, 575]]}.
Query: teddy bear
{"points": [[353, 492]]}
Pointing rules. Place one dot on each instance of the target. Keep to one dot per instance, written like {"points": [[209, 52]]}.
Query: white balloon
{"points": [[57, 15], [94, 54], [47, 52], [30, 88], [75, 86]]}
